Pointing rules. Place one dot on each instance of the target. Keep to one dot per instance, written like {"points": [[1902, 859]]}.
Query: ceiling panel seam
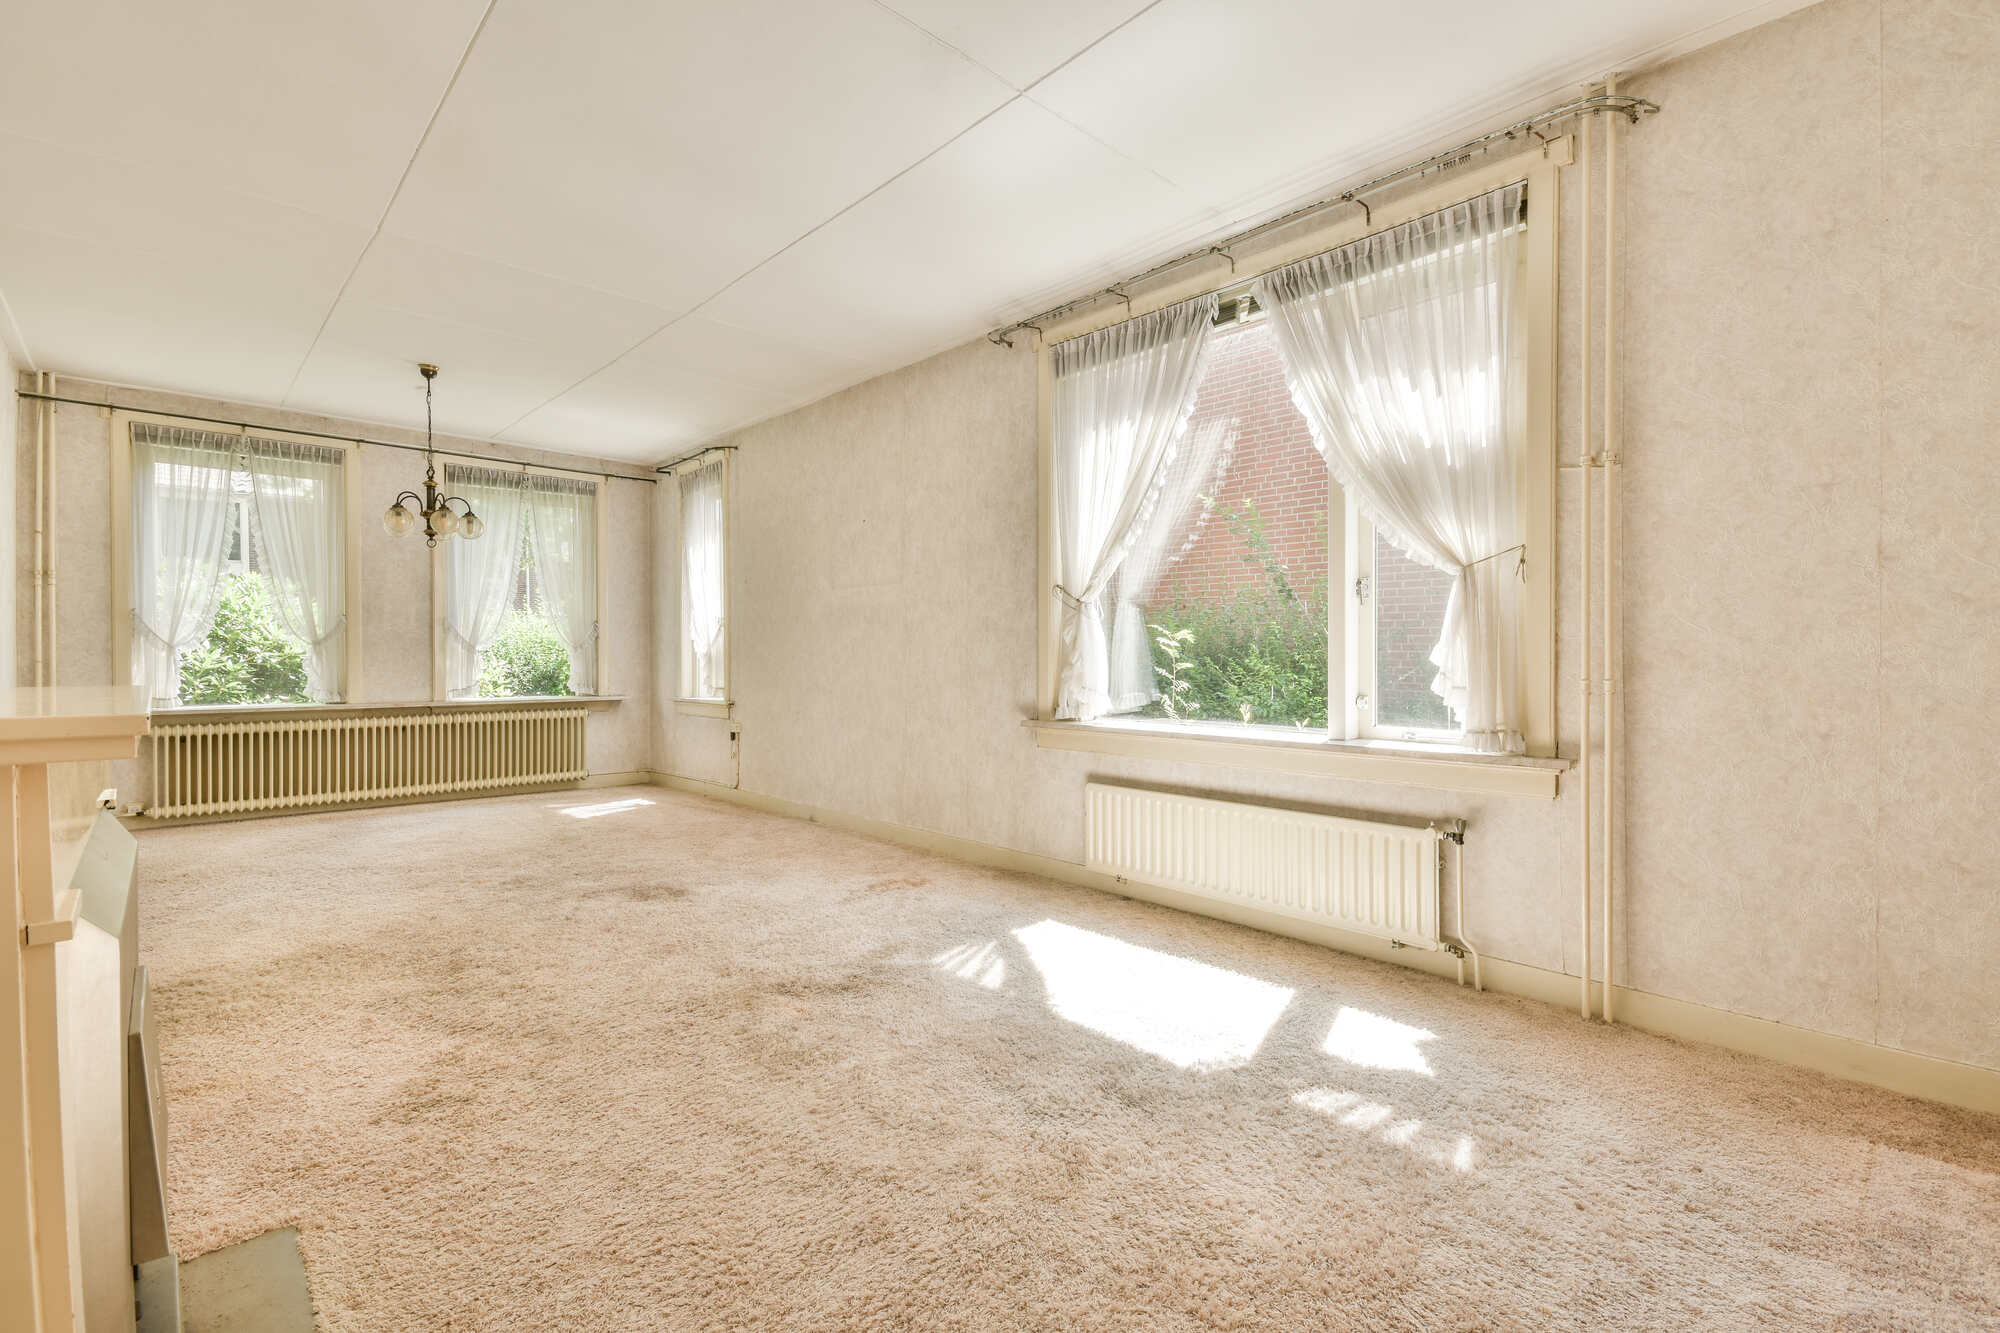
{"points": [[856, 203], [1092, 45], [960, 51], [383, 218], [17, 337], [782, 250]]}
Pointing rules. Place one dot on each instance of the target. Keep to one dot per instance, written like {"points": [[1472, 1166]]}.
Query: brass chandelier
{"points": [[440, 519]]}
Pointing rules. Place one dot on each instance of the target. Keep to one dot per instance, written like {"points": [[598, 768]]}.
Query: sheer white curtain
{"points": [[1399, 350], [300, 491], [479, 575], [704, 668], [1177, 519], [562, 524], [180, 520], [1122, 397]]}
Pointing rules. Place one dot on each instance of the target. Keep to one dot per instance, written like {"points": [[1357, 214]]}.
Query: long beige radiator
{"points": [[1378, 879], [338, 758]]}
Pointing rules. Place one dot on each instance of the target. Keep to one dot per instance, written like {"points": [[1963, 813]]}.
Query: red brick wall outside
{"points": [[1273, 465]]}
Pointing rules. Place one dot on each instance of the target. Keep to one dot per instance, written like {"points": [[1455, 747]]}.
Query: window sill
{"points": [[704, 707], [221, 712], [1400, 764]]}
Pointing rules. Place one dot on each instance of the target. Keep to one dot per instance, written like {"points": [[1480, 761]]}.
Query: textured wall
{"points": [[1809, 591], [9, 543], [396, 600], [1812, 592]]}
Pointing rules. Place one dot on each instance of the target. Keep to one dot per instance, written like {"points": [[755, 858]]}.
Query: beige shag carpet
{"points": [[630, 1059]]}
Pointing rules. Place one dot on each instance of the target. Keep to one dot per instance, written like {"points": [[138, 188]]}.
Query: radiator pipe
{"points": [[1610, 550], [1457, 835], [1585, 464]]}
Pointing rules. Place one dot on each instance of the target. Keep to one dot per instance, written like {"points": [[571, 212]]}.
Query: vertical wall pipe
{"points": [[1586, 498], [1610, 548], [50, 564], [42, 409]]}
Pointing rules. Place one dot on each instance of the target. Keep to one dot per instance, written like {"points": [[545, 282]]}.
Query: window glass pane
{"points": [[1223, 601], [526, 656], [1410, 600], [239, 522], [248, 657]]}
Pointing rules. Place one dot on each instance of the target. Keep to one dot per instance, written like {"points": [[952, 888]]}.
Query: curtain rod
{"points": [[1633, 107], [324, 435], [703, 452]]}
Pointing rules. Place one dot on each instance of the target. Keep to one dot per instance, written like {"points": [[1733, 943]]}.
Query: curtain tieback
{"points": [[339, 624], [1520, 566], [1070, 599], [140, 626]]}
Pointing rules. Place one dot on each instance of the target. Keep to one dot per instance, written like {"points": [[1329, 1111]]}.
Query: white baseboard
{"points": [[1843, 1057]]}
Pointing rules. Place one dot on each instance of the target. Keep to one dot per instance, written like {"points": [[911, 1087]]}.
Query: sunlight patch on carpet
{"points": [[1189, 1014], [603, 808], [980, 963], [1378, 1120], [1374, 1042]]}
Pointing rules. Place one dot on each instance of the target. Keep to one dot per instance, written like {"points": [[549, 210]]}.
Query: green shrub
{"points": [[525, 658], [1261, 658], [247, 659]]}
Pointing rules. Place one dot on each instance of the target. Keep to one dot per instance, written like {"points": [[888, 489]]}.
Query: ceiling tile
{"points": [[692, 381], [1023, 205], [1271, 98], [317, 106], [125, 317], [507, 340], [758, 360], [365, 365], [1021, 41], [655, 150], [138, 275], [430, 280]]}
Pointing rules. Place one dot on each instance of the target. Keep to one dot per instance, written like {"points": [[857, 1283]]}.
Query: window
{"points": [[1220, 611], [234, 567], [521, 601], [526, 655], [704, 493], [247, 657], [1223, 610], [1204, 542]]}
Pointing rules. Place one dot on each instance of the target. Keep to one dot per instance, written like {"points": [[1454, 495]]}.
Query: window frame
{"points": [[684, 703], [120, 497], [1540, 170], [601, 685]]}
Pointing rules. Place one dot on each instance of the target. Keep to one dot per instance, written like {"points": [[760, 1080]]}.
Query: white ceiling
{"points": [[626, 226]]}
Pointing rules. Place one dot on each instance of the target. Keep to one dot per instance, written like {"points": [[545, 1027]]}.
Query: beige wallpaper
{"points": [[9, 544], [396, 605], [1809, 585]]}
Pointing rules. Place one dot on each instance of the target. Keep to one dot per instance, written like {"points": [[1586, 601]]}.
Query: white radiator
{"points": [[1373, 878], [338, 757]]}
